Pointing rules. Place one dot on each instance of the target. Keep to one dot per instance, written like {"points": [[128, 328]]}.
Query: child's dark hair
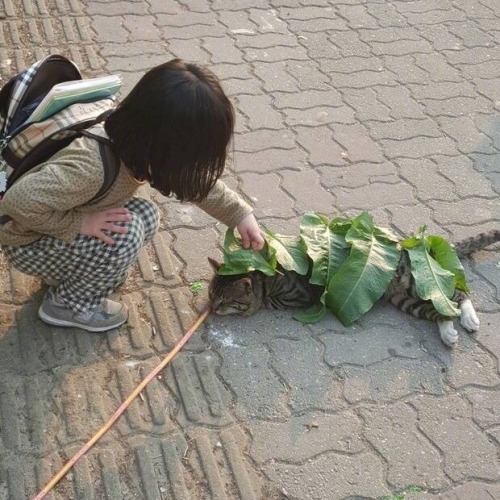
{"points": [[174, 128]]}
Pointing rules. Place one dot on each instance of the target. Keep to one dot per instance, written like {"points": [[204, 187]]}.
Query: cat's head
{"points": [[234, 294]]}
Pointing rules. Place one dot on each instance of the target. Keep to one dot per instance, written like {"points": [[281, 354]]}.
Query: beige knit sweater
{"points": [[52, 199]]}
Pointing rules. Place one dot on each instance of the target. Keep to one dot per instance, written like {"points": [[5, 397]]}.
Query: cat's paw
{"points": [[468, 316], [448, 334]]}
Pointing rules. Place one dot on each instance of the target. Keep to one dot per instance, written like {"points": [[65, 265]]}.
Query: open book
{"points": [[63, 94]]}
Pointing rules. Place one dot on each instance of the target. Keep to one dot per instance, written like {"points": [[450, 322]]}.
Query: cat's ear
{"points": [[216, 265], [247, 283]]}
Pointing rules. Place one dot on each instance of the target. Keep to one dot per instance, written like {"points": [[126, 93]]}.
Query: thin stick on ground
{"points": [[122, 407]]}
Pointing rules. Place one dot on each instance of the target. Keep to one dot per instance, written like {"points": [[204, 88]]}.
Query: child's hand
{"points": [[251, 235], [95, 223]]}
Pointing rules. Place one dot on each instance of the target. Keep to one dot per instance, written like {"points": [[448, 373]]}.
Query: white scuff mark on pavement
{"points": [[242, 31], [223, 337]]}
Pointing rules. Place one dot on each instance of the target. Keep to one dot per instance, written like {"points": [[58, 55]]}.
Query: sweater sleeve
{"points": [[46, 201], [225, 205]]}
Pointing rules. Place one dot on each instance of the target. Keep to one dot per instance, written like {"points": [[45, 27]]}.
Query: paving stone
{"points": [[269, 160], [392, 379], [409, 218], [457, 106], [308, 75], [367, 345], [373, 196], [318, 142], [276, 54], [347, 475], [320, 115], [446, 422], [440, 37], [204, 399], [269, 199], [437, 16], [430, 184], [223, 50], [389, 34], [238, 22], [268, 21], [187, 243], [261, 140], [488, 335], [305, 437], [260, 392], [275, 77], [359, 174], [473, 55], [404, 129], [400, 102], [419, 147], [467, 211], [218, 461], [402, 47], [107, 32], [359, 146], [386, 15], [468, 182], [315, 25], [259, 112], [406, 70], [305, 188], [485, 406], [319, 45], [367, 105], [469, 363], [267, 40], [321, 390], [95, 8], [411, 458]]}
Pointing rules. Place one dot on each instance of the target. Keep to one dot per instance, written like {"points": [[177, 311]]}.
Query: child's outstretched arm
{"points": [[250, 233], [229, 208]]}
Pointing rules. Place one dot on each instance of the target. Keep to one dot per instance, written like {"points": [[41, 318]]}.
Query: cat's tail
{"points": [[478, 242]]}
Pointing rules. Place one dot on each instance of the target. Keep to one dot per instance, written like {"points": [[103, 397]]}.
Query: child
{"points": [[172, 131]]}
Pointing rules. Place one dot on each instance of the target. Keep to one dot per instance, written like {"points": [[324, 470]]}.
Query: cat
{"points": [[245, 294]]}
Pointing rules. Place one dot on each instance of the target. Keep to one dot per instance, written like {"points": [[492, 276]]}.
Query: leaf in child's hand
{"points": [[239, 260]]}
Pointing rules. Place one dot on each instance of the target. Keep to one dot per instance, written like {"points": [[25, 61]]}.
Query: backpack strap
{"points": [[110, 160]]}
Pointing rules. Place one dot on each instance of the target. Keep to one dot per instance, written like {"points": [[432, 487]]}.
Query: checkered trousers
{"points": [[89, 270]]}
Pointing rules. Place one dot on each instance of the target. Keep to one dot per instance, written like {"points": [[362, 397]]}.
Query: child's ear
{"points": [[215, 264]]}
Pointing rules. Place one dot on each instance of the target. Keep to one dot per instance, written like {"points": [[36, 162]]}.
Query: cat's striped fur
{"points": [[245, 294]]}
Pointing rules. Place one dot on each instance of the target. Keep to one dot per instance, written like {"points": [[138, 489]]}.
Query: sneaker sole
{"points": [[59, 322]]}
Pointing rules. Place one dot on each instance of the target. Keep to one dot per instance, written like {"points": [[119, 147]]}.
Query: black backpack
{"points": [[25, 143]]}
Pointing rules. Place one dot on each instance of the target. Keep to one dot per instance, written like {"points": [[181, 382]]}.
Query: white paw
{"points": [[468, 316], [448, 334]]}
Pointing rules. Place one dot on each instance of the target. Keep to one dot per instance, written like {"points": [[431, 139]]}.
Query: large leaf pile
{"points": [[354, 261]]}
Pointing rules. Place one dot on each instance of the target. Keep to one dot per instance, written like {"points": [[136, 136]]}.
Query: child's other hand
{"points": [[251, 235], [95, 223]]}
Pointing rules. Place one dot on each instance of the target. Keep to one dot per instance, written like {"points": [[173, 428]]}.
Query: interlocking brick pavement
{"points": [[342, 106]]}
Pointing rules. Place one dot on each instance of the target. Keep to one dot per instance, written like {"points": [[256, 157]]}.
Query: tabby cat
{"points": [[245, 294]]}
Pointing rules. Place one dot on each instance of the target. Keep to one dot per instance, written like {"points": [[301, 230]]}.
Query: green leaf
{"points": [[291, 252], [432, 282], [313, 314], [364, 276], [447, 258], [326, 245], [239, 260]]}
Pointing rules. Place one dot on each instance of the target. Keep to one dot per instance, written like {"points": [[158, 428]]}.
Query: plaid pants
{"points": [[89, 270]]}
